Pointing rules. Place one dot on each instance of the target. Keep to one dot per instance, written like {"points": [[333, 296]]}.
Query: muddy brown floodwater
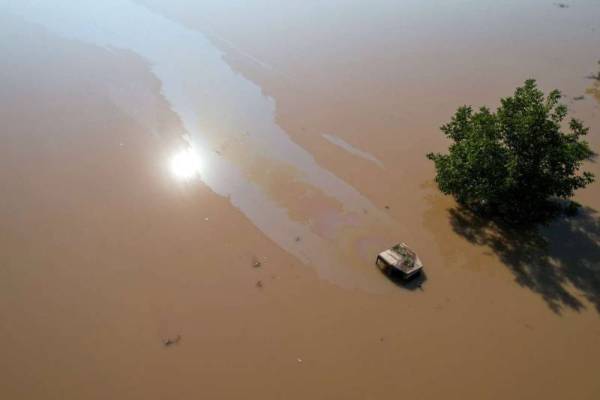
{"points": [[193, 194]]}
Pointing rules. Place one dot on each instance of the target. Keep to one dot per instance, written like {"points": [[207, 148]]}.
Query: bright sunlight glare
{"points": [[186, 165]]}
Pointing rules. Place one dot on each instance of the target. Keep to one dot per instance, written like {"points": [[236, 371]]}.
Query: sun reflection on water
{"points": [[186, 165]]}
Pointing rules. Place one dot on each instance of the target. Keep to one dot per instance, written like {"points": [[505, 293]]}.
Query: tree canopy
{"points": [[516, 163]]}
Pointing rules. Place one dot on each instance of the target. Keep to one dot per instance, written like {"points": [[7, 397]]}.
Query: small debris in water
{"points": [[577, 98], [595, 77], [387, 207], [256, 263], [171, 341], [561, 5], [299, 360], [298, 238], [259, 284]]}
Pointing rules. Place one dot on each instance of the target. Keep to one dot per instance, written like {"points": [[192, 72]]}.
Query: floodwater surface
{"points": [[193, 194]]}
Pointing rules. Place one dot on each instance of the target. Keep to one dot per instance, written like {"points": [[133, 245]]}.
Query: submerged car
{"points": [[400, 259]]}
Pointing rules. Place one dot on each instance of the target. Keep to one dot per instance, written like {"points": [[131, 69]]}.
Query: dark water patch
{"points": [[554, 261]]}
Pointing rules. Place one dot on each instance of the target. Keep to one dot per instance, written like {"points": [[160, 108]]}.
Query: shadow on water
{"points": [[555, 261], [414, 283]]}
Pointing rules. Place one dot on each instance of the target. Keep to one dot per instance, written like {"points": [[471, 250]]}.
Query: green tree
{"points": [[516, 163]]}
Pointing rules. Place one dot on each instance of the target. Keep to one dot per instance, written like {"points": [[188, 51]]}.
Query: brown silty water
{"points": [[218, 176]]}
